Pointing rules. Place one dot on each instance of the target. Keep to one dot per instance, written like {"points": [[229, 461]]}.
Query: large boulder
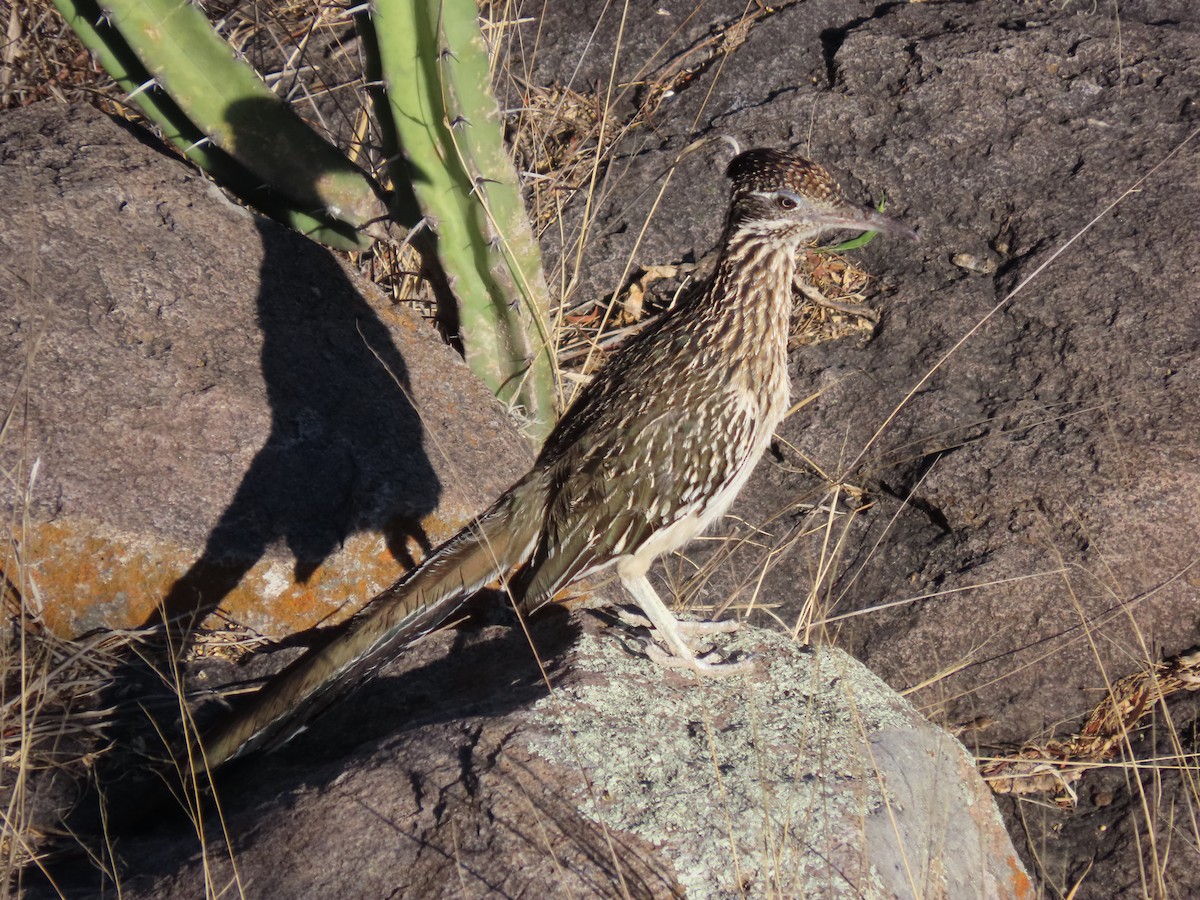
{"points": [[1020, 534], [469, 777], [206, 408]]}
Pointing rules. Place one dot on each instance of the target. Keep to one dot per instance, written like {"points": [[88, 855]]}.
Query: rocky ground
{"points": [[1036, 489], [1013, 453]]}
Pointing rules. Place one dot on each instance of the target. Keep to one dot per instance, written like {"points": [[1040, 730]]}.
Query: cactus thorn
{"points": [[203, 142], [480, 182], [142, 88]]}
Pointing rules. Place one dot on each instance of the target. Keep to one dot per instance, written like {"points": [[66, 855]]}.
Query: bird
{"points": [[651, 452]]}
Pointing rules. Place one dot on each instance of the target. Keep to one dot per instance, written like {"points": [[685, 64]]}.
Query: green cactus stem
{"points": [[434, 66], [222, 99]]}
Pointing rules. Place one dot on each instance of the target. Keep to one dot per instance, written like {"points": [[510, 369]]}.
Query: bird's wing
{"points": [[606, 499]]}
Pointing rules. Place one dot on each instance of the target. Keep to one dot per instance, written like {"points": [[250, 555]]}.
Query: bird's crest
{"points": [[767, 170]]}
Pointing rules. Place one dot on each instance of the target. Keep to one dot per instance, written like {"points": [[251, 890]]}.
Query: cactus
{"points": [[212, 97], [435, 70], [437, 107]]}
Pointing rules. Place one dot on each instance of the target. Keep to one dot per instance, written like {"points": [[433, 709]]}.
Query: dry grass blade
{"points": [[52, 725]]}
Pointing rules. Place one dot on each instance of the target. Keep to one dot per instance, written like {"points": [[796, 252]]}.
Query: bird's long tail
{"points": [[489, 547]]}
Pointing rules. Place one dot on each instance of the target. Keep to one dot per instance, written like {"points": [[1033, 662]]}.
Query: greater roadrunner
{"points": [[652, 451]]}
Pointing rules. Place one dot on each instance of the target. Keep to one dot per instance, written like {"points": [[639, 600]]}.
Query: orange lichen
{"points": [[87, 577]]}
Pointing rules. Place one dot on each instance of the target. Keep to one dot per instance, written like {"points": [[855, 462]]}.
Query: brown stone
{"points": [[206, 408], [469, 769]]}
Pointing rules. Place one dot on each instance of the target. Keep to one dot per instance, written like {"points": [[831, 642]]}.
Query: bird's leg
{"points": [[674, 634]]}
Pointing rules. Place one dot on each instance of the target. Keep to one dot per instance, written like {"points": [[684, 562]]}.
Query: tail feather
{"points": [[486, 549]]}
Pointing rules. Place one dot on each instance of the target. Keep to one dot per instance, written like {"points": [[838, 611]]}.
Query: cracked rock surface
{"points": [[1037, 496]]}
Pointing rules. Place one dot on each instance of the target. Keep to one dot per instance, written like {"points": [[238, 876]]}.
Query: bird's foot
{"points": [[725, 626], [690, 632], [701, 665], [632, 618], [675, 642], [685, 626]]}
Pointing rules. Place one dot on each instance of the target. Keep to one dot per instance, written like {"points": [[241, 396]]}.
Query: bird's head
{"points": [[783, 195]]}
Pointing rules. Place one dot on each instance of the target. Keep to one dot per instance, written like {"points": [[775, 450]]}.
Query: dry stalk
{"points": [[1056, 766]]}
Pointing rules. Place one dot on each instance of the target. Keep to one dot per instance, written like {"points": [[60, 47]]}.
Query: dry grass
{"points": [[57, 727], [43, 60], [53, 728], [1055, 767]]}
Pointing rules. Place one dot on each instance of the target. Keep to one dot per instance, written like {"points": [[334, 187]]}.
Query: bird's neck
{"points": [[751, 290], [738, 326]]}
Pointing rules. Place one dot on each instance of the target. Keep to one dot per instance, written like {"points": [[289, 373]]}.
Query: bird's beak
{"points": [[866, 219]]}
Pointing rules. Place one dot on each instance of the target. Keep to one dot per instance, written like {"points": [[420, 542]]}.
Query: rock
{"points": [[809, 777], [1021, 533], [208, 409]]}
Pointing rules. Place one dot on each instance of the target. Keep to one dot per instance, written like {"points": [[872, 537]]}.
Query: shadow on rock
{"points": [[344, 454], [465, 676]]}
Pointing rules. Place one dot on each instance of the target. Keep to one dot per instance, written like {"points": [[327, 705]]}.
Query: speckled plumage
{"points": [[652, 451]]}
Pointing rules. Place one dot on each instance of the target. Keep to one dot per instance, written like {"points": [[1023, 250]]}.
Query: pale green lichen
{"points": [[778, 804]]}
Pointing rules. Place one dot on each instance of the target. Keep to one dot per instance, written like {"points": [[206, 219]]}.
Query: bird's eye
{"points": [[783, 201]]}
